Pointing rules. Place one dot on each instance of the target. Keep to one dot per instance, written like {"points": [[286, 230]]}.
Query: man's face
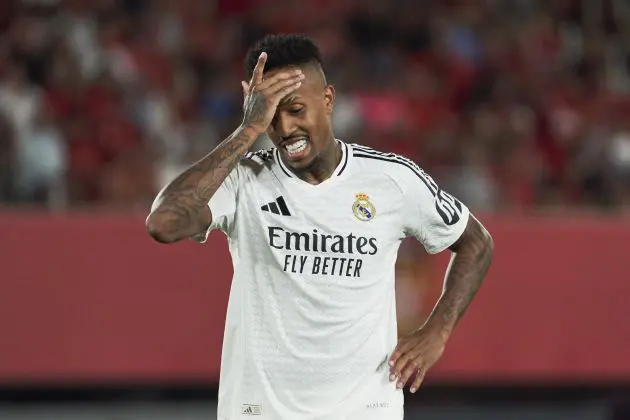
{"points": [[301, 128]]}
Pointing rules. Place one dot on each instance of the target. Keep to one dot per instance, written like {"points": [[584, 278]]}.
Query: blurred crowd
{"points": [[513, 105]]}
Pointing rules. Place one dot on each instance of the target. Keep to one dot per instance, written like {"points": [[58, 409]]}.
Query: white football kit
{"points": [[311, 319]]}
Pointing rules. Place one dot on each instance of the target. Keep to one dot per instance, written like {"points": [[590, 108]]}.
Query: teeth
{"points": [[296, 147]]}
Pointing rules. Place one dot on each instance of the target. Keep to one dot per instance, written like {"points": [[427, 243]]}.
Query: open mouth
{"points": [[296, 149]]}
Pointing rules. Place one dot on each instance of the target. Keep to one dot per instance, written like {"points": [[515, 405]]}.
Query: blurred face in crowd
{"points": [[302, 127]]}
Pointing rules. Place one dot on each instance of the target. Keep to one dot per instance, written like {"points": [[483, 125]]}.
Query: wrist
{"points": [[251, 131], [439, 327]]}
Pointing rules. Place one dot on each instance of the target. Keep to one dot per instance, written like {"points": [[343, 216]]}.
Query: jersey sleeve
{"points": [[222, 206], [430, 214]]}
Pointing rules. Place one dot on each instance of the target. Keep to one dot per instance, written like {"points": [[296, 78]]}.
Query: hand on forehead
{"points": [[314, 76]]}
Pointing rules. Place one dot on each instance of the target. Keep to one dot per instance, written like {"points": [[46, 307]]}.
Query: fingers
{"points": [[245, 87], [399, 358], [280, 84], [404, 364], [283, 88], [259, 69], [276, 88], [408, 371], [261, 102], [399, 367], [277, 78], [394, 357], [418, 381]]}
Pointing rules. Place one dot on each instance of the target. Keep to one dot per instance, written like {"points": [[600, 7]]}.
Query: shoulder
{"points": [[259, 157], [399, 167], [257, 162], [252, 167]]}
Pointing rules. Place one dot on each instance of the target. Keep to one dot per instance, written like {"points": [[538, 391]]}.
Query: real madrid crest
{"points": [[362, 208]]}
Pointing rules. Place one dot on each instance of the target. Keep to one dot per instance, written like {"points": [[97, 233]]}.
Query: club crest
{"points": [[362, 208]]}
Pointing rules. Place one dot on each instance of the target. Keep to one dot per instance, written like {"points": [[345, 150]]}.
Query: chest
{"points": [[365, 207]]}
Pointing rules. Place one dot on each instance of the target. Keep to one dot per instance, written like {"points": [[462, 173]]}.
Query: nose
{"points": [[283, 125]]}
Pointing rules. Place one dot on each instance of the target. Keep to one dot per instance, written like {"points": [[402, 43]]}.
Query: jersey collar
{"points": [[343, 163]]}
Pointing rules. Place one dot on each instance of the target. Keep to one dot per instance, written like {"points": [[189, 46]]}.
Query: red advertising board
{"points": [[89, 297]]}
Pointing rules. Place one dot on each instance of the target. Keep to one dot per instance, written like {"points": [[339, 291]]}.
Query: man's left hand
{"points": [[415, 355]]}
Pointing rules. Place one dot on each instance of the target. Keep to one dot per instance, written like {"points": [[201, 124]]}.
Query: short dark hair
{"points": [[283, 50]]}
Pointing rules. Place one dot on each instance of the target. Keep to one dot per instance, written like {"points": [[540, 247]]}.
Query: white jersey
{"points": [[311, 319]]}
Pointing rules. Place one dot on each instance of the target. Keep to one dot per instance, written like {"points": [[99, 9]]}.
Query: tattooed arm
{"points": [[472, 255], [181, 209], [417, 353]]}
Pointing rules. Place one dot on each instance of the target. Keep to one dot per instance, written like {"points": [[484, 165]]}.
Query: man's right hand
{"points": [[263, 96]]}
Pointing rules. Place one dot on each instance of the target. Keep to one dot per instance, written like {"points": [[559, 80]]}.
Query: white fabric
{"points": [[311, 317]]}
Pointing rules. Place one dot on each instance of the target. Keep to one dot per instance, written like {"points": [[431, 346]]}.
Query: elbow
{"points": [[159, 230]]}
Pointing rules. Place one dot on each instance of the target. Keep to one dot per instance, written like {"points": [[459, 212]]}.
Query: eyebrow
{"points": [[290, 100]]}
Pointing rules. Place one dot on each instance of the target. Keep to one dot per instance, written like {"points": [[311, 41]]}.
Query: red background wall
{"points": [[90, 297]]}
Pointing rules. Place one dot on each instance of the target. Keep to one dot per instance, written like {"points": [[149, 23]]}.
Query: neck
{"points": [[323, 166]]}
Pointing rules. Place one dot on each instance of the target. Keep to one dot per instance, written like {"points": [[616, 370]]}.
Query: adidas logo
{"points": [[251, 410], [279, 206]]}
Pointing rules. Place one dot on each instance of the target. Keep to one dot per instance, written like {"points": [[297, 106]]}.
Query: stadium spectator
{"points": [[515, 106]]}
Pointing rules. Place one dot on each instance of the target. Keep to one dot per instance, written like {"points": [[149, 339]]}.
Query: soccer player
{"points": [[314, 227]]}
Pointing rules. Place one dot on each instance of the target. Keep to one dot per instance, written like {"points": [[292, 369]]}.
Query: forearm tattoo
{"points": [[466, 271], [183, 200]]}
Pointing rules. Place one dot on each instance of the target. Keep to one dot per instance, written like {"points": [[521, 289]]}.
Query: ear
{"points": [[329, 98]]}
